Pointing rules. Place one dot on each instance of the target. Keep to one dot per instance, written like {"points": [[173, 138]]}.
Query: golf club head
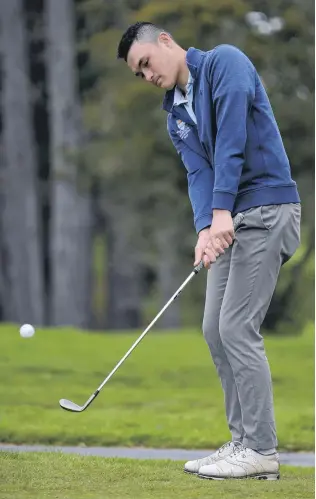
{"points": [[70, 406]]}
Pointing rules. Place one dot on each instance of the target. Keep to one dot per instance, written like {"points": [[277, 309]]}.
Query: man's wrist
{"points": [[218, 211], [202, 231]]}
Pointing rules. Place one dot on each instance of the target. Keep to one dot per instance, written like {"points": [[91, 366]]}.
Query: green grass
{"points": [[58, 476], [166, 394]]}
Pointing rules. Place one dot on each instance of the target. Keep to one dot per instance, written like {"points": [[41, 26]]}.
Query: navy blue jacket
{"points": [[234, 156]]}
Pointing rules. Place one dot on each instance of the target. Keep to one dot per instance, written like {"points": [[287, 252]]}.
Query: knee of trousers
{"points": [[237, 337], [210, 330], [229, 333]]}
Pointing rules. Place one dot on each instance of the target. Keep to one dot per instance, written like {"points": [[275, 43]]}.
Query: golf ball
{"points": [[27, 331]]}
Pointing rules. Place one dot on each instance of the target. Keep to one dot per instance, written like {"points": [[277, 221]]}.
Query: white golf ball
{"points": [[27, 331]]}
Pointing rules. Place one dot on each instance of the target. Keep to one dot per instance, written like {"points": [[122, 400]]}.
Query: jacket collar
{"points": [[194, 58]]}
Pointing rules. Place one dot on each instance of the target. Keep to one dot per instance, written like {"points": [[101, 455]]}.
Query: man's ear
{"points": [[165, 39]]}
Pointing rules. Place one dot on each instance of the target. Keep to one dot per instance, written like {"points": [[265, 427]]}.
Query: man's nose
{"points": [[148, 74]]}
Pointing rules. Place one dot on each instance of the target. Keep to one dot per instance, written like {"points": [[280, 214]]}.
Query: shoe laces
{"points": [[238, 449]]}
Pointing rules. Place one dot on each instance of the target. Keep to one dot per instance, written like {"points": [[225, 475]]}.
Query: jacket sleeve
{"points": [[232, 80], [200, 182]]}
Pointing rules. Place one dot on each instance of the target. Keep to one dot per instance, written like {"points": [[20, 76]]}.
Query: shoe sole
{"points": [[190, 472], [259, 476]]}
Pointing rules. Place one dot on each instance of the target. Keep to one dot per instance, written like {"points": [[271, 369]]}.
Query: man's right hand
{"points": [[203, 239]]}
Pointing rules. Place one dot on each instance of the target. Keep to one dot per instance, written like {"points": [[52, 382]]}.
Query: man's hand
{"points": [[204, 242], [204, 237], [221, 236]]}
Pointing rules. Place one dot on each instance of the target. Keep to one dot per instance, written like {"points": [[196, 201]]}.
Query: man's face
{"points": [[155, 62]]}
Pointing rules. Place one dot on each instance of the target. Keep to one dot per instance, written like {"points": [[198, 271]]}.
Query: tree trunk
{"points": [[123, 291], [21, 228], [71, 214], [167, 272], [3, 301]]}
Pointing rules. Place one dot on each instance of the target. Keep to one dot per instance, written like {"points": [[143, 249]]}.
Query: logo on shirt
{"points": [[184, 129]]}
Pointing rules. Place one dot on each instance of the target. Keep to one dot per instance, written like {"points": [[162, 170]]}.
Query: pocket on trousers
{"points": [[293, 234], [269, 215]]}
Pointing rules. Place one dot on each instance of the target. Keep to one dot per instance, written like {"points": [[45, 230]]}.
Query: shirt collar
{"points": [[178, 97]]}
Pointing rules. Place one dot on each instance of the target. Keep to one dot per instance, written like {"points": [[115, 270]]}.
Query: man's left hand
{"points": [[221, 235]]}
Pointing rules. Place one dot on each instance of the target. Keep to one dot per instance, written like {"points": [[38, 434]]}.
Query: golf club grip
{"points": [[236, 223]]}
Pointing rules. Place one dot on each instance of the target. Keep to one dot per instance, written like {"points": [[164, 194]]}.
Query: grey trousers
{"points": [[240, 286]]}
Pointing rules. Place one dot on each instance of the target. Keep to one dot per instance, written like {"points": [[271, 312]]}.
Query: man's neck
{"points": [[183, 75]]}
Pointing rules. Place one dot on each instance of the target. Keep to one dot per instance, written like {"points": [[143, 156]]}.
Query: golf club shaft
{"points": [[176, 294], [236, 221], [71, 406]]}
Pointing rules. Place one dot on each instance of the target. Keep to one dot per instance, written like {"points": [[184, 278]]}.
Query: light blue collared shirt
{"points": [[187, 100]]}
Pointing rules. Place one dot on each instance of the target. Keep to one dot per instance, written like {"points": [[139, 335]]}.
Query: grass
{"points": [[58, 476], [166, 394]]}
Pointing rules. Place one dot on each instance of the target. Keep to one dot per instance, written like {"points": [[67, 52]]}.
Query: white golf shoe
{"points": [[194, 466], [243, 463]]}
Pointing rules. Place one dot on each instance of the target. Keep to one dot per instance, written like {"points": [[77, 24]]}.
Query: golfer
{"points": [[221, 123]]}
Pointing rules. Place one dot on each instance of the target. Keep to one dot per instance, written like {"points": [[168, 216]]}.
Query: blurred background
{"points": [[96, 228]]}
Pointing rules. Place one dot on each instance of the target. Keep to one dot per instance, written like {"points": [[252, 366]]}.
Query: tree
{"points": [[71, 205], [117, 206], [21, 248]]}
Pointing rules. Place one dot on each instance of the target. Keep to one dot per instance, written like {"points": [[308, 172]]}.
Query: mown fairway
{"points": [[165, 395], [56, 476]]}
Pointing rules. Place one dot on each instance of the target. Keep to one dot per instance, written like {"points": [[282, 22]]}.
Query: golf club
{"points": [[71, 406]]}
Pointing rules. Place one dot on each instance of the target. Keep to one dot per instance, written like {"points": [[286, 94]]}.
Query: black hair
{"points": [[143, 31]]}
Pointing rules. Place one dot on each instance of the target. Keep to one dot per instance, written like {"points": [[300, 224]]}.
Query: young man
{"points": [[222, 125]]}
